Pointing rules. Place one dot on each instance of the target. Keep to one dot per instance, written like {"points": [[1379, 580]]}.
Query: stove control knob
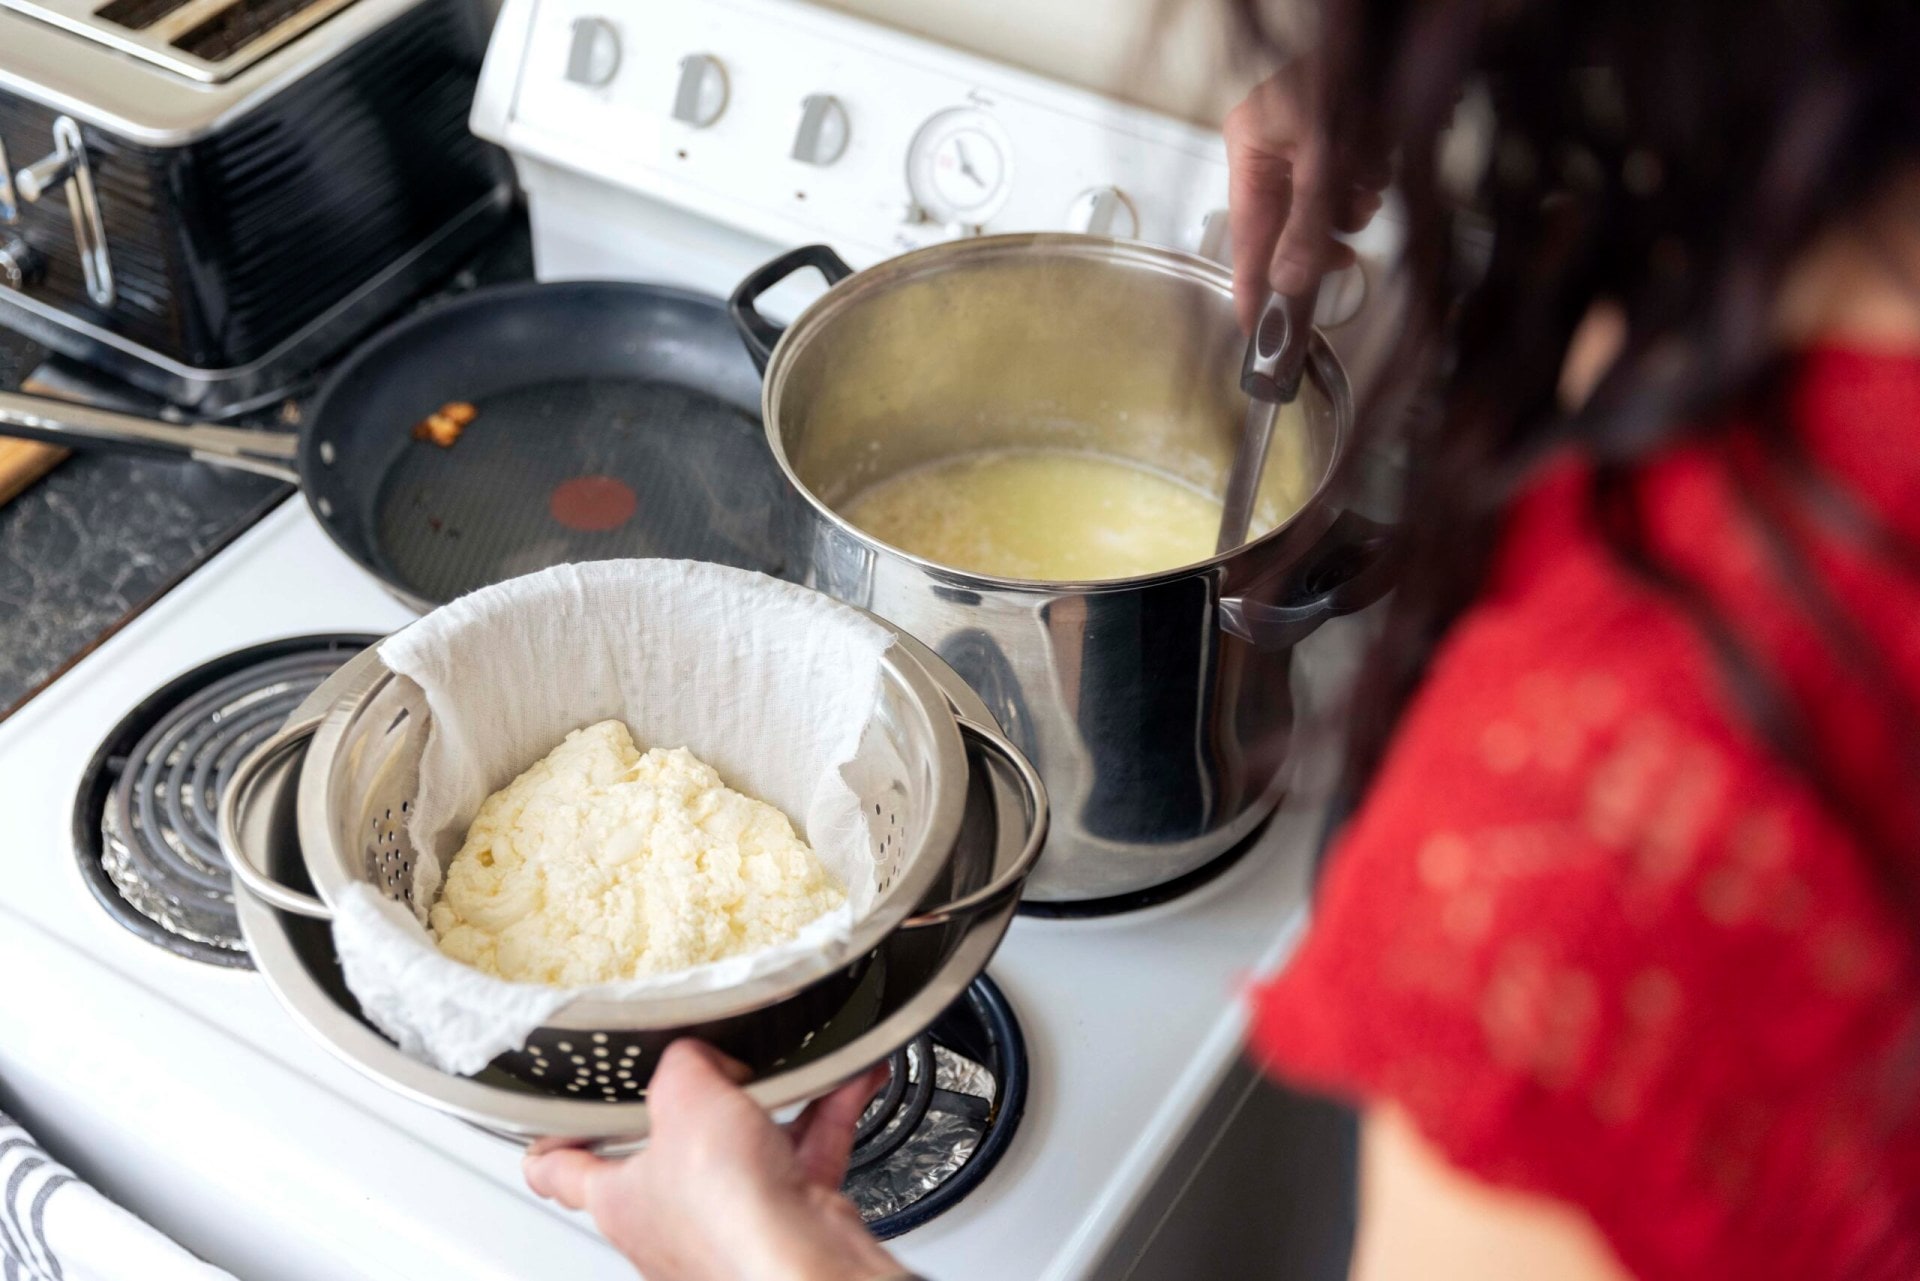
{"points": [[702, 95], [1104, 211], [21, 265], [824, 130], [594, 54]]}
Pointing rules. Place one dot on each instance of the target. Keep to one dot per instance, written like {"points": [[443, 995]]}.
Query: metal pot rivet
{"points": [[326, 452]]}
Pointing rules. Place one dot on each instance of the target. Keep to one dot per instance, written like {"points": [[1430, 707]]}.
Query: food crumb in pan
{"points": [[444, 425]]}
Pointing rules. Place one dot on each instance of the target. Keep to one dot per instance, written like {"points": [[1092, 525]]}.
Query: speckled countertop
{"points": [[100, 538], [96, 542]]}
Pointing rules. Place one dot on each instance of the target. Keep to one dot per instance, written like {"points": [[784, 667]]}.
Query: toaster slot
{"points": [[235, 26], [136, 15]]}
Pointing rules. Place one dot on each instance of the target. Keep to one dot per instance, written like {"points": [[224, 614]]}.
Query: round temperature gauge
{"points": [[960, 167]]}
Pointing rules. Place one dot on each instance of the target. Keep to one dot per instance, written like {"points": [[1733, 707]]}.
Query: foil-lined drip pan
{"points": [[930, 1138]]}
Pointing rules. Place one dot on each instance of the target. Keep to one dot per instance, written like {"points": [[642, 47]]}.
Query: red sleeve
{"points": [[1600, 947]]}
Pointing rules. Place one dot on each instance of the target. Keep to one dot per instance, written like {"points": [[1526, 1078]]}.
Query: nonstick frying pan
{"points": [[615, 419]]}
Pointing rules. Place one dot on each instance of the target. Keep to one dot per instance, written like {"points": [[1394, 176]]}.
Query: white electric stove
{"points": [[185, 1092], [687, 141]]}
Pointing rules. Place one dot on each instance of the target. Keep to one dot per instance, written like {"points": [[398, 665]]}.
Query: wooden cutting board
{"points": [[24, 461]]}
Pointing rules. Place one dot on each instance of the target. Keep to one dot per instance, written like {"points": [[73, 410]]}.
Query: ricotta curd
{"points": [[602, 863]]}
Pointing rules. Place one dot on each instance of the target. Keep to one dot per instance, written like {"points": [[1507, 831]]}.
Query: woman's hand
{"points": [[721, 1193], [1287, 196]]}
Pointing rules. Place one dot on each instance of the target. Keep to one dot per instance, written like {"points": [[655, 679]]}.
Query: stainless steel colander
{"points": [[363, 734]]}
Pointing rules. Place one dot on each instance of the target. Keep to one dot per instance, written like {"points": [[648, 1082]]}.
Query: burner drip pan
{"points": [[145, 821], [948, 1111]]}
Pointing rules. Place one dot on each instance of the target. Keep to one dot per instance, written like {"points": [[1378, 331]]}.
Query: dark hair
{"points": [[1671, 159]]}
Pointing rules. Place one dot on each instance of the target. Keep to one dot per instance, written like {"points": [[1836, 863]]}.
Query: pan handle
{"points": [[1008, 883], [60, 422], [759, 333]]}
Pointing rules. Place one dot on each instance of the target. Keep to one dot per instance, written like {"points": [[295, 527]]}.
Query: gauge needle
{"points": [[966, 165]]}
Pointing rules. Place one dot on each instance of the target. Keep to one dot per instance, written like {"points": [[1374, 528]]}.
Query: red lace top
{"points": [[1598, 941]]}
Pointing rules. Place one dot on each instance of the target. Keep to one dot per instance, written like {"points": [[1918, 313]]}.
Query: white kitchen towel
{"points": [[53, 1227], [771, 684]]}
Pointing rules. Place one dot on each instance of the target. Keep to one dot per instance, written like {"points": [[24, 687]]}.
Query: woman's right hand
{"points": [[721, 1193], [1287, 196]]}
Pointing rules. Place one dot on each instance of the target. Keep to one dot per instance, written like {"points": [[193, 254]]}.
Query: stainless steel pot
{"points": [[1157, 709]]}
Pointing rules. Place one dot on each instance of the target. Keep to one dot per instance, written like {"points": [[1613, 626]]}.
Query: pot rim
{"points": [[1323, 369]]}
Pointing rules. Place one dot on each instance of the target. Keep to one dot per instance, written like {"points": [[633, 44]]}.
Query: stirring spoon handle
{"points": [[1275, 363]]}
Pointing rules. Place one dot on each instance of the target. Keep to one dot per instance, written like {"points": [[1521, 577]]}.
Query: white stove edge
{"points": [[186, 1092]]}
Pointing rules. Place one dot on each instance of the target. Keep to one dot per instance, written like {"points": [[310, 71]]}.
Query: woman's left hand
{"points": [[721, 1192]]}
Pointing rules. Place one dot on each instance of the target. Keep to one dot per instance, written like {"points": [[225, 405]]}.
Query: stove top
{"points": [[217, 1119]]}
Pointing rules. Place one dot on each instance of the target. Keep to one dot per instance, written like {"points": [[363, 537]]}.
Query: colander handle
{"points": [[244, 861], [1008, 883]]}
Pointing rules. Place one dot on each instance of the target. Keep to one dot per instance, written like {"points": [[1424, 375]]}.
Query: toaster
{"points": [[208, 198]]}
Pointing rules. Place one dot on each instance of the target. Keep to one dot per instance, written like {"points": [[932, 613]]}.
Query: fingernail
{"points": [[531, 1169]]}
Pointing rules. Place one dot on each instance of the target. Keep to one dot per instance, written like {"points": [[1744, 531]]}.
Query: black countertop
{"points": [[104, 535], [98, 540]]}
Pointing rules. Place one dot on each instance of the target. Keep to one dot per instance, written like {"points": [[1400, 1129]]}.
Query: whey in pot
{"points": [[1056, 515]]}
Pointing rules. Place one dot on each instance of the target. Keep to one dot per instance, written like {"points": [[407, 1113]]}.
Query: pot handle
{"points": [[60, 422], [1008, 883], [759, 333], [247, 867], [1350, 568]]}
